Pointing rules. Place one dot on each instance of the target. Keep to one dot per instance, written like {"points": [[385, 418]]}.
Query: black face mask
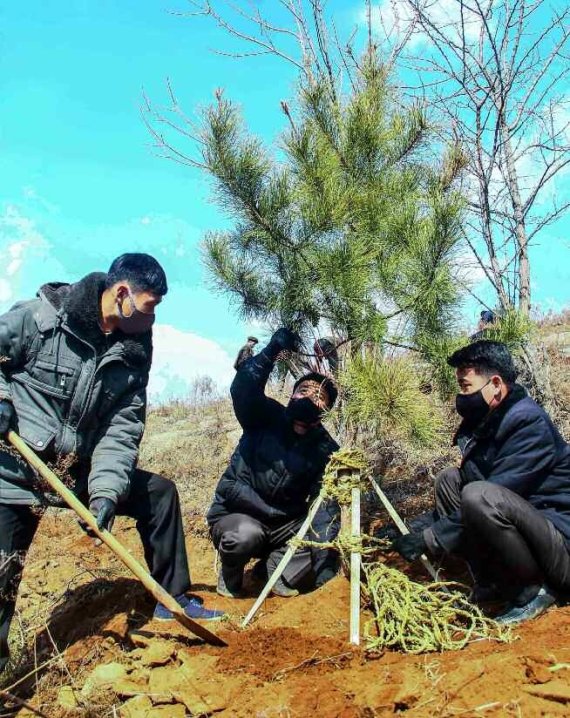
{"points": [[472, 407], [303, 410], [136, 322]]}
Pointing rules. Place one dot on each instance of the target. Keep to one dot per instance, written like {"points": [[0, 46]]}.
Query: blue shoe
{"points": [[193, 608], [538, 605]]}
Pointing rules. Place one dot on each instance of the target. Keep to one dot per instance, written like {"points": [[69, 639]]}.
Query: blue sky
{"points": [[79, 182]]}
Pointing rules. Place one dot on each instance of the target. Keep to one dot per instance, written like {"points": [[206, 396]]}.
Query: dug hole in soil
{"points": [[82, 612]]}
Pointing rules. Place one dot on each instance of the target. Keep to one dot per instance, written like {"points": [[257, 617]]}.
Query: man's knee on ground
{"points": [[241, 539], [478, 499]]}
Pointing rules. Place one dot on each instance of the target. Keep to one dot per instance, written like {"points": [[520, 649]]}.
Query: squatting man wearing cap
{"points": [[274, 474], [506, 509], [73, 376]]}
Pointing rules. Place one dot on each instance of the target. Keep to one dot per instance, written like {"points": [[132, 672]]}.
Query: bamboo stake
{"points": [[402, 526], [107, 538], [282, 565], [355, 570]]}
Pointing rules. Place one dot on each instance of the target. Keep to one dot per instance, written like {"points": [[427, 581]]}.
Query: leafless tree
{"points": [[497, 71], [303, 35]]}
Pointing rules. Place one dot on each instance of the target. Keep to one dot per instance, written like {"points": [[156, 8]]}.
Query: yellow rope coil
{"points": [[419, 618], [409, 616]]}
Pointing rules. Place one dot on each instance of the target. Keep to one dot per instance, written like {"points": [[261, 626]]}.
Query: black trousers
{"points": [[505, 539], [153, 501], [240, 537]]}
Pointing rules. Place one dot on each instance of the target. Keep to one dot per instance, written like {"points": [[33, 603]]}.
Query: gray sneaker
{"points": [[538, 605], [230, 579], [283, 590]]}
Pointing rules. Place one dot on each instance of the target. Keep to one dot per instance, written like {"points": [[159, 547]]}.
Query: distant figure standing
{"points": [[326, 357], [245, 352], [487, 320]]}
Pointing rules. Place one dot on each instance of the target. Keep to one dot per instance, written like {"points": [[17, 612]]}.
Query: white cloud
{"points": [[13, 267], [20, 243], [31, 194], [392, 19], [146, 220], [180, 358]]}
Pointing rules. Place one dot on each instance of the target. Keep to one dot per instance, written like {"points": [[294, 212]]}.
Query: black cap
{"points": [[253, 339]]}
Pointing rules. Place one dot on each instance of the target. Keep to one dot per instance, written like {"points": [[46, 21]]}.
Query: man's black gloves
{"points": [[6, 414], [410, 546], [283, 340], [104, 509]]}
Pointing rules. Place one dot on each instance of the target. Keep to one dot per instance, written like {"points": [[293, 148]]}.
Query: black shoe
{"points": [[535, 607], [485, 593], [230, 579]]}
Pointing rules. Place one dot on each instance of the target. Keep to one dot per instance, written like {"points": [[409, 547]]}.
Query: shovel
{"points": [[107, 538]]}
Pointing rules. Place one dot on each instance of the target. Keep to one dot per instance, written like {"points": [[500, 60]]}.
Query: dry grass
{"points": [[191, 444]]}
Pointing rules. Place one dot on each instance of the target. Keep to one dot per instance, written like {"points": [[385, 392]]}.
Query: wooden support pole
{"points": [[111, 542], [281, 566], [355, 570], [401, 525]]}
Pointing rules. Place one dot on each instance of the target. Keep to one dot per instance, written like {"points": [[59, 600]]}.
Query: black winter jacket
{"points": [[517, 446], [274, 473]]}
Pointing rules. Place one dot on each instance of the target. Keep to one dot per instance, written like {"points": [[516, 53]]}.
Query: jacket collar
{"points": [[490, 424], [78, 305]]}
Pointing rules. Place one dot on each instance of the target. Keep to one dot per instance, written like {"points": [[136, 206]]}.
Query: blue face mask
{"points": [[136, 322]]}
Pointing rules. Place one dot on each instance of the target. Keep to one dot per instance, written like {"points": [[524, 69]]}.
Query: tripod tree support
{"points": [[401, 525], [282, 565], [111, 542]]}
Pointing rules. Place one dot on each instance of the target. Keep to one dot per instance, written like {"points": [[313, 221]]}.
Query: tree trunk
{"points": [[523, 269]]}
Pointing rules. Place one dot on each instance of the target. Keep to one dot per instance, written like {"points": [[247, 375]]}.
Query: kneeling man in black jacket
{"points": [[274, 474], [506, 509]]}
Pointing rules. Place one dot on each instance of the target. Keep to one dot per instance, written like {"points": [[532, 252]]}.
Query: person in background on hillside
{"points": [[326, 357], [487, 320], [245, 352], [73, 383], [274, 474], [506, 509]]}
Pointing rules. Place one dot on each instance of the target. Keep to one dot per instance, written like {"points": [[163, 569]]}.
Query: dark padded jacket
{"points": [[274, 472], [517, 447], [76, 392]]}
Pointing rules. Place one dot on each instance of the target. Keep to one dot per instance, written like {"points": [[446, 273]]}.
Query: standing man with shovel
{"points": [[74, 366]]}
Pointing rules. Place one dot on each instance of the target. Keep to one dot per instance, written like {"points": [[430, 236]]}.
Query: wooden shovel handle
{"points": [[109, 540]]}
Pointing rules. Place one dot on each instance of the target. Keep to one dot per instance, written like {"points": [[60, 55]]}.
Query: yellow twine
{"points": [[418, 618], [346, 470], [410, 616]]}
